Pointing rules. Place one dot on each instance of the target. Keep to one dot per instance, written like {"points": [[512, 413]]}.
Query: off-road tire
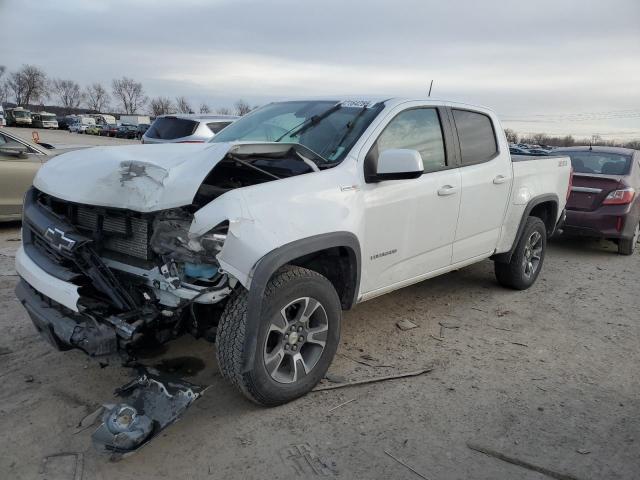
{"points": [[626, 246], [512, 274], [287, 284]]}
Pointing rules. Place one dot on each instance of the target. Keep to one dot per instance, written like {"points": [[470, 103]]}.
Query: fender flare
{"points": [[264, 269], [534, 202]]}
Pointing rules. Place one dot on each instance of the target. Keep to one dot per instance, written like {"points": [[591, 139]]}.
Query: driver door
{"points": [[16, 175], [410, 225]]}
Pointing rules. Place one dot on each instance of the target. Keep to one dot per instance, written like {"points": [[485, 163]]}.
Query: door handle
{"points": [[447, 190], [499, 179]]}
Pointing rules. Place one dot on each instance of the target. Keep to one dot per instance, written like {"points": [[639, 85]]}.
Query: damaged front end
{"points": [[105, 280]]}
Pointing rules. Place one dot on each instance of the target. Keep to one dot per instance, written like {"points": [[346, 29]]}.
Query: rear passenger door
{"points": [[486, 176]]}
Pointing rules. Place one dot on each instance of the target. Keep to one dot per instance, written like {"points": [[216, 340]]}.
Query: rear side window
{"points": [[215, 127], [416, 129], [599, 163], [476, 135], [170, 128]]}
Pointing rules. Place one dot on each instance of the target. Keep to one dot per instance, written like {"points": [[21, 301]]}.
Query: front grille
{"points": [[113, 230]]}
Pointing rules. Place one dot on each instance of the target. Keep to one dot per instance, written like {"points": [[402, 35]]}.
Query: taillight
{"points": [[620, 197], [570, 183]]}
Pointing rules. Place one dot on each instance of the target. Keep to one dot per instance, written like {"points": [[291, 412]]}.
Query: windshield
{"points": [[599, 162], [47, 118], [328, 128], [21, 114]]}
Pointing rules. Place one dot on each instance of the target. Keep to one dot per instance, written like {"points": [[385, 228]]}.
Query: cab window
{"points": [[476, 136], [416, 129]]}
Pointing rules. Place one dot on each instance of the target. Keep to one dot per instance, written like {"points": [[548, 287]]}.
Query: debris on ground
{"points": [[405, 465], [68, 465], [521, 463], [502, 313], [333, 378], [372, 380], [583, 451], [28, 378], [151, 403], [341, 405], [405, 324], [89, 420], [449, 325]]}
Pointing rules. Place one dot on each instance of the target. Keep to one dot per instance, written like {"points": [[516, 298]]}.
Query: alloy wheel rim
{"points": [[532, 254], [295, 340]]}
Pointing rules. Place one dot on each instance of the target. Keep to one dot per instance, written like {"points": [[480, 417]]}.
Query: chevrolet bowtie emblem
{"points": [[58, 240]]}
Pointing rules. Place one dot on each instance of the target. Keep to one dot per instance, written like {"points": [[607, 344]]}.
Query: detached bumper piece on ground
{"points": [[150, 404]]}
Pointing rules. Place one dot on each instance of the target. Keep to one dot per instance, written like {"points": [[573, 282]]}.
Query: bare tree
{"points": [[129, 94], [161, 106], [97, 98], [204, 108], [182, 105], [29, 84], [242, 107], [4, 88], [223, 111], [68, 92], [512, 136]]}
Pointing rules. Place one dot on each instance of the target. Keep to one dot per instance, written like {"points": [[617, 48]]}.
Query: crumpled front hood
{"points": [[142, 178]]}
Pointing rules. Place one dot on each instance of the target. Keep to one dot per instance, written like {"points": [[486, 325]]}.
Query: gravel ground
{"points": [[64, 137], [548, 376]]}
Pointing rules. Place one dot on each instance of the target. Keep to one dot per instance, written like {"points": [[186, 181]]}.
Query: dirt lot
{"points": [[63, 137], [548, 376]]}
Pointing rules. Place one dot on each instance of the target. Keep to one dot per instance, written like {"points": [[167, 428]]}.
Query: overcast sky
{"points": [[559, 66]]}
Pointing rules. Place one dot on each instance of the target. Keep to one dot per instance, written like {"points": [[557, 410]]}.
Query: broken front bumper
{"points": [[65, 329]]}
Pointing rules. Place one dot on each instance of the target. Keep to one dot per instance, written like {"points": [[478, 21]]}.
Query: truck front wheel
{"points": [[526, 262], [297, 337]]}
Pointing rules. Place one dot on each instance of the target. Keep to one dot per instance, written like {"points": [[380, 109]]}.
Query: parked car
{"points": [[19, 162], [604, 200], [108, 130], [79, 124], [293, 213], [537, 152], [186, 128], [518, 151], [127, 131], [63, 123], [44, 120], [3, 122], [142, 128], [93, 130]]}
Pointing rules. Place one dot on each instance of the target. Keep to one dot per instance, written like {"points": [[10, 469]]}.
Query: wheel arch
{"points": [[303, 253], [544, 207]]}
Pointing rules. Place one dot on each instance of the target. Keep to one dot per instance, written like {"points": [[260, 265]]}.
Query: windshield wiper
{"points": [[349, 127], [312, 121]]}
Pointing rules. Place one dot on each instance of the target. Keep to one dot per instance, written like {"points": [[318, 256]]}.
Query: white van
{"points": [[3, 122], [81, 124]]}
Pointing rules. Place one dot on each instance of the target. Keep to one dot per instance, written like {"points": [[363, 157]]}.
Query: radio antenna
{"points": [[430, 87]]}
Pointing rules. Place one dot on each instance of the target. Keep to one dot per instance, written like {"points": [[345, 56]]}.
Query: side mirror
{"points": [[17, 152], [399, 164]]}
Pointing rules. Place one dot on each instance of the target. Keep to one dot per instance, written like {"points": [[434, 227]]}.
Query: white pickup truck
{"points": [[262, 237]]}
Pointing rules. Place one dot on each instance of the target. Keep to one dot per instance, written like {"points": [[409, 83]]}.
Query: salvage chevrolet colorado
{"points": [[263, 236]]}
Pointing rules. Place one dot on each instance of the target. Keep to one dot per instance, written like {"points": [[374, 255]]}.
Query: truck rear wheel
{"points": [[297, 337], [526, 262]]}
